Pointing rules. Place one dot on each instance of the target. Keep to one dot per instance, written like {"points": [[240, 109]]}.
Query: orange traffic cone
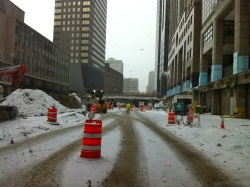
{"points": [[222, 126]]}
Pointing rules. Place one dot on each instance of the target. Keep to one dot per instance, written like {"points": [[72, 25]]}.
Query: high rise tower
{"points": [[80, 30], [162, 45]]}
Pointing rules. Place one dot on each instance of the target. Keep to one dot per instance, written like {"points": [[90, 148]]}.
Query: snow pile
{"points": [[33, 102]]}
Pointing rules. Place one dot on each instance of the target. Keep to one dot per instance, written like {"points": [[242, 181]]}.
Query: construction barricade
{"points": [[222, 125], [52, 115], [93, 109], [171, 117], [190, 118], [92, 138], [141, 108]]}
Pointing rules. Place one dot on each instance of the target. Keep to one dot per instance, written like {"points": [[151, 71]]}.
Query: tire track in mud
{"points": [[43, 137], [203, 168], [48, 172], [128, 169]]}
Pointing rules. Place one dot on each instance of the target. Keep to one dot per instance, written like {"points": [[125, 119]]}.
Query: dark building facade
{"points": [[113, 81], [161, 58], [80, 29], [48, 66]]}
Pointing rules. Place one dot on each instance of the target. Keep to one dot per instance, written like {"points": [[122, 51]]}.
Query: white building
{"points": [[115, 64], [130, 85]]}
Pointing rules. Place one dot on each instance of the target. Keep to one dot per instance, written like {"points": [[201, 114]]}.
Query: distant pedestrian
{"points": [[128, 108], [156, 106]]}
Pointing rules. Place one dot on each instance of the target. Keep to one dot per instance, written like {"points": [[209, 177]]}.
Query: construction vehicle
{"points": [[11, 76], [97, 99]]}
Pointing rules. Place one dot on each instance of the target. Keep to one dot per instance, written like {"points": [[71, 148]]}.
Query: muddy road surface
{"points": [[146, 156]]}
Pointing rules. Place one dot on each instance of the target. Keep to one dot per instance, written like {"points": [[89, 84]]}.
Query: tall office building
{"points": [[115, 64], [161, 57], [151, 80], [184, 46], [208, 58], [80, 29]]}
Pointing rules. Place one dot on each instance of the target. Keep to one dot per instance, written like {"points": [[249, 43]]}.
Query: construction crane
{"points": [[16, 74]]}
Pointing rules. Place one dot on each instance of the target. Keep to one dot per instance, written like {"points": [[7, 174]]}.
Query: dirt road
{"points": [[131, 167]]}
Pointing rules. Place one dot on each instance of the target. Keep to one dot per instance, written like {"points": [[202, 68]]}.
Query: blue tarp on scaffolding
{"points": [[241, 63], [216, 72], [203, 78], [183, 86], [188, 84], [178, 88]]}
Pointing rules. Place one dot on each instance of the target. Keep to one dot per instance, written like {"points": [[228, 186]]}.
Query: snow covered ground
{"points": [[229, 148]]}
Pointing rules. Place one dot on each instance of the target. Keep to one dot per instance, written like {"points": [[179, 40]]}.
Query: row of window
{"points": [[77, 54], [69, 10], [77, 35], [79, 42], [208, 7], [73, 22], [40, 55], [75, 29], [70, 3], [185, 30], [76, 48], [208, 36], [189, 54], [76, 60]]}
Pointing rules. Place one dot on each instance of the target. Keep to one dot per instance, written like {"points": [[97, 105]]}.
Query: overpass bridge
{"points": [[133, 98]]}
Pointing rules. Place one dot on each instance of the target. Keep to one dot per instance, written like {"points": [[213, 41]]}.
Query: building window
{"points": [[86, 3], [85, 22], [84, 61], [85, 16], [85, 41], [83, 48], [85, 35], [86, 9], [208, 7], [85, 28], [84, 54], [58, 10], [58, 4], [208, 35]]}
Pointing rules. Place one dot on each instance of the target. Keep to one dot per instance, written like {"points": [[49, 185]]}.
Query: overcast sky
{"points": [[131, 32]]}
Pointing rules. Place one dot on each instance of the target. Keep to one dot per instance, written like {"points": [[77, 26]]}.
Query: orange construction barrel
{"points": [[141, 108], [93, 109], [190, 118], [92, 138], [52, 114], [171, 118]]}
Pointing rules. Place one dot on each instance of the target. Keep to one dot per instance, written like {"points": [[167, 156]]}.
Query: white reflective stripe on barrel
{"points": [[85, 147], [89, 135], [50, 117], [52, 112]]}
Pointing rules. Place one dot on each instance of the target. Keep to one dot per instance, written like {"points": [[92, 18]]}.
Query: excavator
{"points": [[13, 75], [97, 99]]}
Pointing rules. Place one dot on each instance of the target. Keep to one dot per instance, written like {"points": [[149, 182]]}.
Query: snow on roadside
{"points": [[33, 102], [33, 106], [229, 147]]}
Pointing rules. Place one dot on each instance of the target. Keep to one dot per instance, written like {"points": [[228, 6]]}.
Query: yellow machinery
{"points": [[98, 101]]}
